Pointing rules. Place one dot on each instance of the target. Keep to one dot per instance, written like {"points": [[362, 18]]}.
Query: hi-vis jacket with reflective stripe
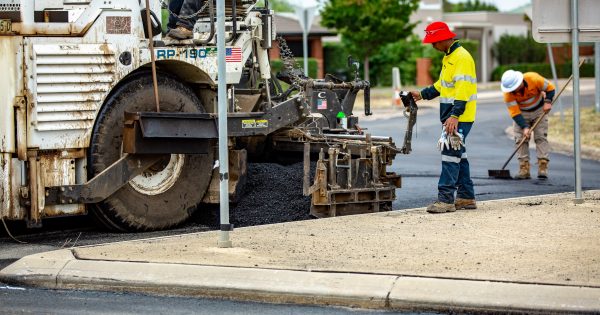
{"points": [[529, 98], [456, 87]]}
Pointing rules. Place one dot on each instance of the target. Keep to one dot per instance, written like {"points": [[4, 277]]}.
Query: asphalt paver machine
{"points": [[80, 130]]}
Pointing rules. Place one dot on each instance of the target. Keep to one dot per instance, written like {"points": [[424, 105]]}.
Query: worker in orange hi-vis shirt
{"points": [[528, 96]]}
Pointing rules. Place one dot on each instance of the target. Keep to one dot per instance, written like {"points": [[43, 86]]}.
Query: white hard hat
{"points": [[511, 80]]}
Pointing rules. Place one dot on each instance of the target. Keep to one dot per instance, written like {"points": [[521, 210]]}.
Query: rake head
{"points": [[502, 174]]}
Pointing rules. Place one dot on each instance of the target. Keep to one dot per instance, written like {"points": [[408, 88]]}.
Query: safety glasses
{"points": [[433, 31]]}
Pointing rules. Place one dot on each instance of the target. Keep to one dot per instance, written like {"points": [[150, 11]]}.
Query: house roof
{"points": [[484, 18], [287, 24]]}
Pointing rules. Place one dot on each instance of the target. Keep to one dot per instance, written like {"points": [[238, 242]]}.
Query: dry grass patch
{"points": [[563, 131]]}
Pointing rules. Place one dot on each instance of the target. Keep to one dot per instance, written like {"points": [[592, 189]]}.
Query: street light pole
{"points": [[305, 39]]}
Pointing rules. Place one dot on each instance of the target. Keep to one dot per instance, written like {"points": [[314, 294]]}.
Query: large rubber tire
{"points": [[160, 206]]}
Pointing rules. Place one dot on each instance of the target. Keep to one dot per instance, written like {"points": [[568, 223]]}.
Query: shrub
{"points": [[336, 60], [512, 49]]}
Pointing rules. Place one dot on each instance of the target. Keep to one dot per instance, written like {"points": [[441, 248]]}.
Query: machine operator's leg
{"points": [[186, 25]]}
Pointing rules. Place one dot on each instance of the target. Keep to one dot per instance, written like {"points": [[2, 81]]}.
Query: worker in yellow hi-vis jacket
{"points": [[457, 89], [528, 96]]}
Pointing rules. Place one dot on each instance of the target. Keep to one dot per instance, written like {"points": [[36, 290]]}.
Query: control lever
{"points": [[367, 92], [410, 112]]}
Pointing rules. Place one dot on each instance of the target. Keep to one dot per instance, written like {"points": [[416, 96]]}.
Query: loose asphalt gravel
{"points": [[273, 194]]}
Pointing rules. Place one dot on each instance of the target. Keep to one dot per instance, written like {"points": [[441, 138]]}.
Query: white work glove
{"points": [[456, 140], [443, 142]]}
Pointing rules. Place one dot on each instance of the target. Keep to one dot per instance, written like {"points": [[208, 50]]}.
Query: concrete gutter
{"points": [[61, 270]]}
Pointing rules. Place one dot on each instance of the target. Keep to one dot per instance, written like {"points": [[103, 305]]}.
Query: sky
{"points": [[502, 5]]}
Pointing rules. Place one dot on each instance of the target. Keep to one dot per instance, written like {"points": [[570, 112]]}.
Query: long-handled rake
{"points": [[505, 174]]}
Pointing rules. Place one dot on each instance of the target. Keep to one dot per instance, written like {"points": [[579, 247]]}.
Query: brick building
{"points": [[287, 26]]}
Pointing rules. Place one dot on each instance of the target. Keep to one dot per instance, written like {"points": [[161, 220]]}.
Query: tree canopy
{"points": [[277, 5], [469, 5], [367, 25]]}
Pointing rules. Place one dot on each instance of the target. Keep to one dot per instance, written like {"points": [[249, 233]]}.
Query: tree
{"points": [[469, 5], [277, 5], [367, 25]]}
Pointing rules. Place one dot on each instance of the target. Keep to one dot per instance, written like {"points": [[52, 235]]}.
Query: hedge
{"points": [[313, 66], [515, 49], [336, 56], [544, 69]]}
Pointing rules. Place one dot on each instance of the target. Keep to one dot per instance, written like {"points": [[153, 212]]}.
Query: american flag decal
{"points": [[233, 54]]}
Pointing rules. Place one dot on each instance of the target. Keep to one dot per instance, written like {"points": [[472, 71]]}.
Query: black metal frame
{"points": [[104, 184]]}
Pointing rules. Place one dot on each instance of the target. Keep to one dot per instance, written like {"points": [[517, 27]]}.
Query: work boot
{"points": [[440, 207], [465, 204], [180, 33], [169, 41], [523, 170], [542, 168]]}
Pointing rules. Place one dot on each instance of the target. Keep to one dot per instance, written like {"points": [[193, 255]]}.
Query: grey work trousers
{"points": [[540, 135]]}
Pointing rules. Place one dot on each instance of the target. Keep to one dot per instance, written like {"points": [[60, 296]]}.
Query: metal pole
{"points": [[576, 117], [152, 59], [484, 56], [597, 74], [553, 67], [396, 87], [222, 104], [305, 40]]}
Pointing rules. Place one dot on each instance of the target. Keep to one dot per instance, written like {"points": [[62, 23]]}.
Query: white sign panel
{"points": [[552, 21]]}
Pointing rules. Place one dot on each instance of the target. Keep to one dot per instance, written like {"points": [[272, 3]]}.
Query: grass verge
{"points": [[589, 128]]}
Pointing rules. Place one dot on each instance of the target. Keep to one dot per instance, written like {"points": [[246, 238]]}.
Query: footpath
{"points": [[536, 254]]}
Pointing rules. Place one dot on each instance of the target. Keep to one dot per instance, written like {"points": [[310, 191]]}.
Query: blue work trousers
{"points": [[456, 176], [189, 7], [175, 7]]}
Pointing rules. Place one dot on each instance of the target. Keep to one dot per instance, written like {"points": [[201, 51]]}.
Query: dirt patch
{"points": [[560, 133]]}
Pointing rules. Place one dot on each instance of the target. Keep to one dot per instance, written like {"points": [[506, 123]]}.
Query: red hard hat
{"points": [[437, 31]]}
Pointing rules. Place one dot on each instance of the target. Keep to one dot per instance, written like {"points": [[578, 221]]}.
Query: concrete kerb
{"points": [[61, 270]]}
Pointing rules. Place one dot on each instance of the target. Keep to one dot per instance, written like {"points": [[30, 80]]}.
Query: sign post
{"points": [[559, 21], [597, 75], [223, 160], [305, 11], [553, 68], [576, 113]]}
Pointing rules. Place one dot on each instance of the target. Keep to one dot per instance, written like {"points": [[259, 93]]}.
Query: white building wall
{"points": [[515, 30]]}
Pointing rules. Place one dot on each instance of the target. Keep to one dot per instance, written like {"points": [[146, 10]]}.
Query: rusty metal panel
{"points": [[6, 185], [11, 84], [10, 183], [18, 180], [118, 25], [57, 168], [70, 82]]}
